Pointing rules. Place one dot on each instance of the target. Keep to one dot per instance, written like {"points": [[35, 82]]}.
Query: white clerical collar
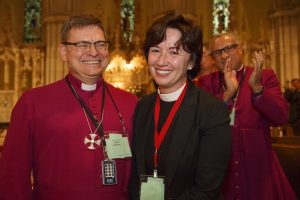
{"points": [[88, 87], [171, 96]]}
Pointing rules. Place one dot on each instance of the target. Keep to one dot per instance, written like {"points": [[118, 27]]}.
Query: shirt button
{"points": [[236, 162], [237, 187], [236, 173]]}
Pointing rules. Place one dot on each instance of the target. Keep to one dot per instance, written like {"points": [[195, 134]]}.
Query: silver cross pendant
{"points": [[91, 140]]}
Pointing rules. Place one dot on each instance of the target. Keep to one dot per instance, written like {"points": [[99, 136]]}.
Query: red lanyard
{"points": [[159, 138]]}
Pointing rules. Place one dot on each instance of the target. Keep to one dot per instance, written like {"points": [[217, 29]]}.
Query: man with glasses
{"points": [[72, 135], [255, 102]]}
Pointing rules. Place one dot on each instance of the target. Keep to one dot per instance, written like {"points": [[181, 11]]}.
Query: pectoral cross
{"points": [[92, 140]]}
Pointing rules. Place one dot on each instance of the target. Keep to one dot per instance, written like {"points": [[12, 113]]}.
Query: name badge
{"points": [[152, 189], [109, 172], [232, 116], [117, 146]]}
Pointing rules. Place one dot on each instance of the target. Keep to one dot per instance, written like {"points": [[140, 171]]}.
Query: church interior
{"points": [[30, 35]]}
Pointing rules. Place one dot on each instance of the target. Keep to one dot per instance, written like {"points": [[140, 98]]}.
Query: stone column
{"points": [[55, 13], [285, 43]]}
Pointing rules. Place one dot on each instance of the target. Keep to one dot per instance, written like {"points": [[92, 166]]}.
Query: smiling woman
{"points": [[169, 62], [182, 134]]}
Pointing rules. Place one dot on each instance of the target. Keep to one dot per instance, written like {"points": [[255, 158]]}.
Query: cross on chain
{"points": [[94, 140]]}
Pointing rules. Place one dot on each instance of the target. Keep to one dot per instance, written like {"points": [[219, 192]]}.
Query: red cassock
{"points": [[255, 172], [46, 137]]}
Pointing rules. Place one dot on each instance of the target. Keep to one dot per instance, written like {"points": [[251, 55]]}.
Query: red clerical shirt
{"points": [[46, 137]]}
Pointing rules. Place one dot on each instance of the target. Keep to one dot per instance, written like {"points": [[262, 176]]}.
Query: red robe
{"points": [[46, 136], [254, 172]]}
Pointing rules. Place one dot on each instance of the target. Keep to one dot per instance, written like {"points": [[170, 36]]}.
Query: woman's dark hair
{"points": [[191, 37]]}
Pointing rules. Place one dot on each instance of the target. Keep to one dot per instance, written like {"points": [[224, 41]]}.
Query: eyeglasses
{"points": [[86, 46], [228, 49]]}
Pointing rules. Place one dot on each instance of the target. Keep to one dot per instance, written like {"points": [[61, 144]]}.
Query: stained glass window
{"points": [[32, 21], [127, 20], [220, 16]]}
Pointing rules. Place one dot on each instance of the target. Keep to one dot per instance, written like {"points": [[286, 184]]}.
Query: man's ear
{"points": [[63, 52]]}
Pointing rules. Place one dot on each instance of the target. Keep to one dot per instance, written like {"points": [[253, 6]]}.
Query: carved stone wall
{"points": [[21, 68], [278, 36], [285, 40], [55, 12]]}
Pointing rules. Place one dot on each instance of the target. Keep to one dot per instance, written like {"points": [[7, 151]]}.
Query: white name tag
{"points": [[117, 146], [232, 117], [152, 189]]}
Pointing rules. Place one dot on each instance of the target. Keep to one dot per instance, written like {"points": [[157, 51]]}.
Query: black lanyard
{"points": [[116, 107], [88, 111]]}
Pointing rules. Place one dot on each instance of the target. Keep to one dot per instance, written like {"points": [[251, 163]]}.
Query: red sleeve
{"points": [[206, 84], [16, 157], [271, 104]]}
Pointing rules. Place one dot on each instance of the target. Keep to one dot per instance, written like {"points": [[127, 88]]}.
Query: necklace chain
{"points": [[99, 122]]}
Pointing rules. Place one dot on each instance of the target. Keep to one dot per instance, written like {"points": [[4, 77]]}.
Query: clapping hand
{"points": [[230, 80], [255, 78]]}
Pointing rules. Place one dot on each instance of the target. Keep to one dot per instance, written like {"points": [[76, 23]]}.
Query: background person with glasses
{"points": [[57, 131], [255, 102]]}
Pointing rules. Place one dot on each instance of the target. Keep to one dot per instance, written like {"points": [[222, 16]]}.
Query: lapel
{"points": [[144, 128], [181, 128]]}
